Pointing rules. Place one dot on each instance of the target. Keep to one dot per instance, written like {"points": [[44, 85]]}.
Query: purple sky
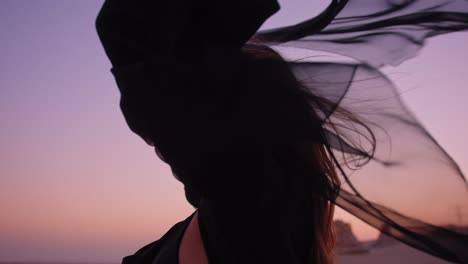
{"points": [[77, 185]]}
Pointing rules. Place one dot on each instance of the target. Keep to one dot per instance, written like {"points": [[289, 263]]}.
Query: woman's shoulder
{"points": [[162, 251]]}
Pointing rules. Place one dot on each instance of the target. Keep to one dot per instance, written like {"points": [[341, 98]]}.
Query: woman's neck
{"points": [[191, 250]]}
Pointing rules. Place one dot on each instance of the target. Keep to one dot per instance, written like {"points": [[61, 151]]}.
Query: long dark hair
{"points": [[310, 182], [283, 167]]}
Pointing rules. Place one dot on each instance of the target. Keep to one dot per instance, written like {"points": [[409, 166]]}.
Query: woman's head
{"points": [[279, 164]]}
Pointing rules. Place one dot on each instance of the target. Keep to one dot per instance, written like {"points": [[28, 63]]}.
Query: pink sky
{"points": [[77, 185]]}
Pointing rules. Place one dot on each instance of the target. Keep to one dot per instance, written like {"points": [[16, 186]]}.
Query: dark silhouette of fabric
{"points": [[176, 63]]}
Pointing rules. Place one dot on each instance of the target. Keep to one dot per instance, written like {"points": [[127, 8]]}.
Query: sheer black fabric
{"points": [[408, 186], [405, 185], [375, 32]]}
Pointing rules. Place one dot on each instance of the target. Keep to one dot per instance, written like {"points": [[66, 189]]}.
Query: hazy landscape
{"points": [[397, 253], [349, 250], [383, 250]]}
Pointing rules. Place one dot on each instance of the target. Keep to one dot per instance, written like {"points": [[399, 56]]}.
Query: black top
{"points": [[162, 251]]}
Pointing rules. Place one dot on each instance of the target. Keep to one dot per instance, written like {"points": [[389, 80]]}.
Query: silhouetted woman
{"points": [[261, 144]]}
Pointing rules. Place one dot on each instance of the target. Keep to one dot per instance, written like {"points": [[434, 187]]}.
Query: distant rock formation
{"points": [[346, 241], [384, 240]]}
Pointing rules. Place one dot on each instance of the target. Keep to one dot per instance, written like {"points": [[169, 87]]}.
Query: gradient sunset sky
{"points": [[77, 185]]}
